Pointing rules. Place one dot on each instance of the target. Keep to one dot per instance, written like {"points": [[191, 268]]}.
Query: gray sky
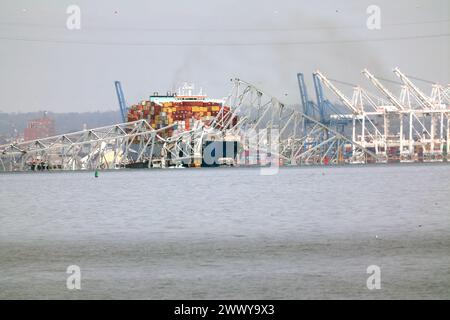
{"points": [[156, 45]]}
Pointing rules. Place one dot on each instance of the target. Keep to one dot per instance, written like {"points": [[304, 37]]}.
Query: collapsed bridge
{"points": [[261, 131]]}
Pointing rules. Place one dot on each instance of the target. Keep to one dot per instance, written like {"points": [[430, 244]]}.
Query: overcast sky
{"points": [[156, 45]]}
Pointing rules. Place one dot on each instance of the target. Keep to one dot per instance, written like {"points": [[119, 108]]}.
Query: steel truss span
{"points": [[107, 147], [316, 143]]}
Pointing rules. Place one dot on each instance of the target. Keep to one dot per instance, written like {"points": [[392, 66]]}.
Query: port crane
{"points": [[370, 135], [435, 109], [421, 97], [322, 110], [336, 118], [393, 99], [309, 107], [122, 103], [406, 146]]}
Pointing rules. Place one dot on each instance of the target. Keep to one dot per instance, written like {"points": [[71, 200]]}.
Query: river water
{"points": [[303, 233]]}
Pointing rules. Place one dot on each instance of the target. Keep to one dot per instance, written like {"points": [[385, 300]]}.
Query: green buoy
{"points": [[96, 174]]}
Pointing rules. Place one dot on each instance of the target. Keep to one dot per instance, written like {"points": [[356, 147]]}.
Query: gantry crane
{"points": [[122, 103]]}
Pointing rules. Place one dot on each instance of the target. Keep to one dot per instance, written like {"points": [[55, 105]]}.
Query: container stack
{"points": [[183, 113]]}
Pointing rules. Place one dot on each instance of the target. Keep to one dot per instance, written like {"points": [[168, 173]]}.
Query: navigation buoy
{"points": [[96, 174]]}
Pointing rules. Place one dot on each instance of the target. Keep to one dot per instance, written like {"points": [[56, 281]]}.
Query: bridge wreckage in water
{"points": [[254, 128]]}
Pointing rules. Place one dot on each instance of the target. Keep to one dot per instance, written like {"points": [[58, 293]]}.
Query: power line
{"points": [[203, 29], [419, 79], [409, 76], [223, 44], [344, 83], [390, 81]]}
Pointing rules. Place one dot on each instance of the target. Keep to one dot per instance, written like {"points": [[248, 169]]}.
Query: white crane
{"points": [[340, 95], [356, 105], [433, 107], [421, 97], [393, 99]]}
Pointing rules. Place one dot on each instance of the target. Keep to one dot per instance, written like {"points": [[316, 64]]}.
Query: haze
{"points": [[156, 45]]}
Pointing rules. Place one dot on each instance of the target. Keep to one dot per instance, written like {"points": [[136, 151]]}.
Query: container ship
{"points": [[183, 109]]}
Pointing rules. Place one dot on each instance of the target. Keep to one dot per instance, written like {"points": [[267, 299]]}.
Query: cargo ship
{"points": [[183, 109]]}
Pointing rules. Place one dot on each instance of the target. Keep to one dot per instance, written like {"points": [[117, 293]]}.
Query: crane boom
{"points": [[319, 90], [337, 92], [303, 93], [415, 90], [383, 89], [319, 96], [121, 98]]}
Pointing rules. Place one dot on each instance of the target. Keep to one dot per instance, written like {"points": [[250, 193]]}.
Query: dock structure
{"points": [[260, 129], [413, 127]]}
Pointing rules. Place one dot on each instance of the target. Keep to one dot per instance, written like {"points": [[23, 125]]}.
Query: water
{"points": [[227, 233]]}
